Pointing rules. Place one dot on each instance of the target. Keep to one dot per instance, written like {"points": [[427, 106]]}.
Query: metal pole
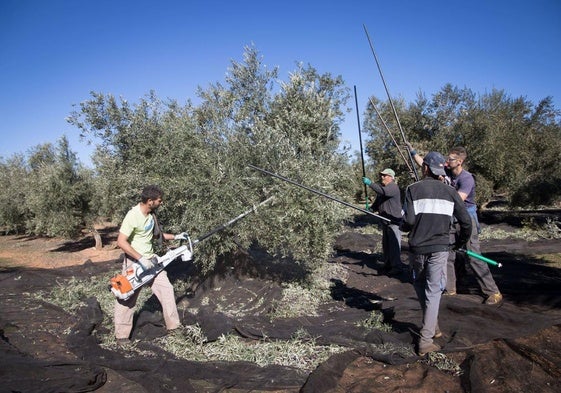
{"points": [[391, 103], [361, 153], [232, 221], [391, 136], [318, 192], [480, 257]]}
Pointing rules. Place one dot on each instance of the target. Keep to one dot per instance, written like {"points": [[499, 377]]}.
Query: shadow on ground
{"points": [[515, 346]]}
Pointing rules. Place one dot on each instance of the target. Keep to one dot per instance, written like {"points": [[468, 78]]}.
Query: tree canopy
{"points": [[199, 155], [511, 142]]}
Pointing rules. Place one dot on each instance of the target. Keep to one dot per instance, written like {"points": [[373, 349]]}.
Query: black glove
{"points": [[460, 246]]}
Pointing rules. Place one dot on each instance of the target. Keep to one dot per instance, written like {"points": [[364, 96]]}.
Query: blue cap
{"points": [[435, 161]]}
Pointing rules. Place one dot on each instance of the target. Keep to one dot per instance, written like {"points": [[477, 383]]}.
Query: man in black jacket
{"points": [[464, 182], [430, 206], [388, 205]]}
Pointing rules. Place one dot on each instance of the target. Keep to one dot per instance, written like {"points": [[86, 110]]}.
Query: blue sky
{"points": [[53, 53]]}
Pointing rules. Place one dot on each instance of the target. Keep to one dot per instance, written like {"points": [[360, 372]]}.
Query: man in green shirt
{"points": [[138, 230]]}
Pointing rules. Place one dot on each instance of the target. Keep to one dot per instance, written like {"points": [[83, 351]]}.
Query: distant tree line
{"points": [[199, 154], [513, 145]]}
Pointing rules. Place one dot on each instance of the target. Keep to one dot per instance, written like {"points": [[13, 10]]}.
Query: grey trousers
{"points": [[429, 281], [457, 264], [391, 245]]}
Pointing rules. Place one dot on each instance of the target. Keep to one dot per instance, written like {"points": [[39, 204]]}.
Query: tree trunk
{"points": [[97, 238]]}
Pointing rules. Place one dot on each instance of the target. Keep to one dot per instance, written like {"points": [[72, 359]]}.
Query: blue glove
{"points": [[366, 181]]}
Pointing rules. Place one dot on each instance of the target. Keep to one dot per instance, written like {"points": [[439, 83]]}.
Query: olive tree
{"points": [[199, 155], [57, 191], [13, 211], [511, 143]]}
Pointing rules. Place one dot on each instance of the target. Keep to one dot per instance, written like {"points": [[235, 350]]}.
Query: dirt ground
{"points": [[53, 253], [512, 347]]}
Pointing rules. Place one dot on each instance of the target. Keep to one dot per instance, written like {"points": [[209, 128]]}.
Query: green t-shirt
{"points": [[139, 229]]}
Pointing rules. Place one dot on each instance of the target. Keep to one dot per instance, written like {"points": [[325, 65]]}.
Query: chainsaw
{"points": [[123, 286]]}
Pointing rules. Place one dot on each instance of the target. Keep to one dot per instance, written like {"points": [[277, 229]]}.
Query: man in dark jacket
{"points": [[464, 182], [430, 206], [388, 205]]}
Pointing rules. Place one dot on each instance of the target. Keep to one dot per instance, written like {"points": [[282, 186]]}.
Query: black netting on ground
{"points": [[515, 346]]}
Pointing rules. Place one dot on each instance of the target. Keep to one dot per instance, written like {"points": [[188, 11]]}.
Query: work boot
{"points": [[122, 342], [424, 349], [495, 298], [175, 331], [398, 269], [437, 333], [395, 271], [449, 293]]}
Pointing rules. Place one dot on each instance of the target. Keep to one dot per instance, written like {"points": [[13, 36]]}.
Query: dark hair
{"points": [[151, 192], [459, 151], [429, 171]]}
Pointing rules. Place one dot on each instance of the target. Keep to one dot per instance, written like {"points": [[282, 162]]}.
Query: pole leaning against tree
{"points": [[318, 192], [391, 102], [361, 151]]}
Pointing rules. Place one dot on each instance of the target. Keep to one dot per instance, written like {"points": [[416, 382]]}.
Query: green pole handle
{"points": [[481, 258]]}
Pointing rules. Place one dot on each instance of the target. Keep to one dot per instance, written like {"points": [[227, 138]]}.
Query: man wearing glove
{"points": [[464, 182], [138, 230], [388, 205], [429, 207]]}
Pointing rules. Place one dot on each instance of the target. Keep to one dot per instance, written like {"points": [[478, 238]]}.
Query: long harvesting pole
{"points": [[318, 192], [391, 102], [391, 136], [232, 221], [480, 257], [361, 151]]}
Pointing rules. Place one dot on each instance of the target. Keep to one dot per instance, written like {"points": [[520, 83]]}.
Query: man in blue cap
{"points": [[430, 206], [464, 182]]}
